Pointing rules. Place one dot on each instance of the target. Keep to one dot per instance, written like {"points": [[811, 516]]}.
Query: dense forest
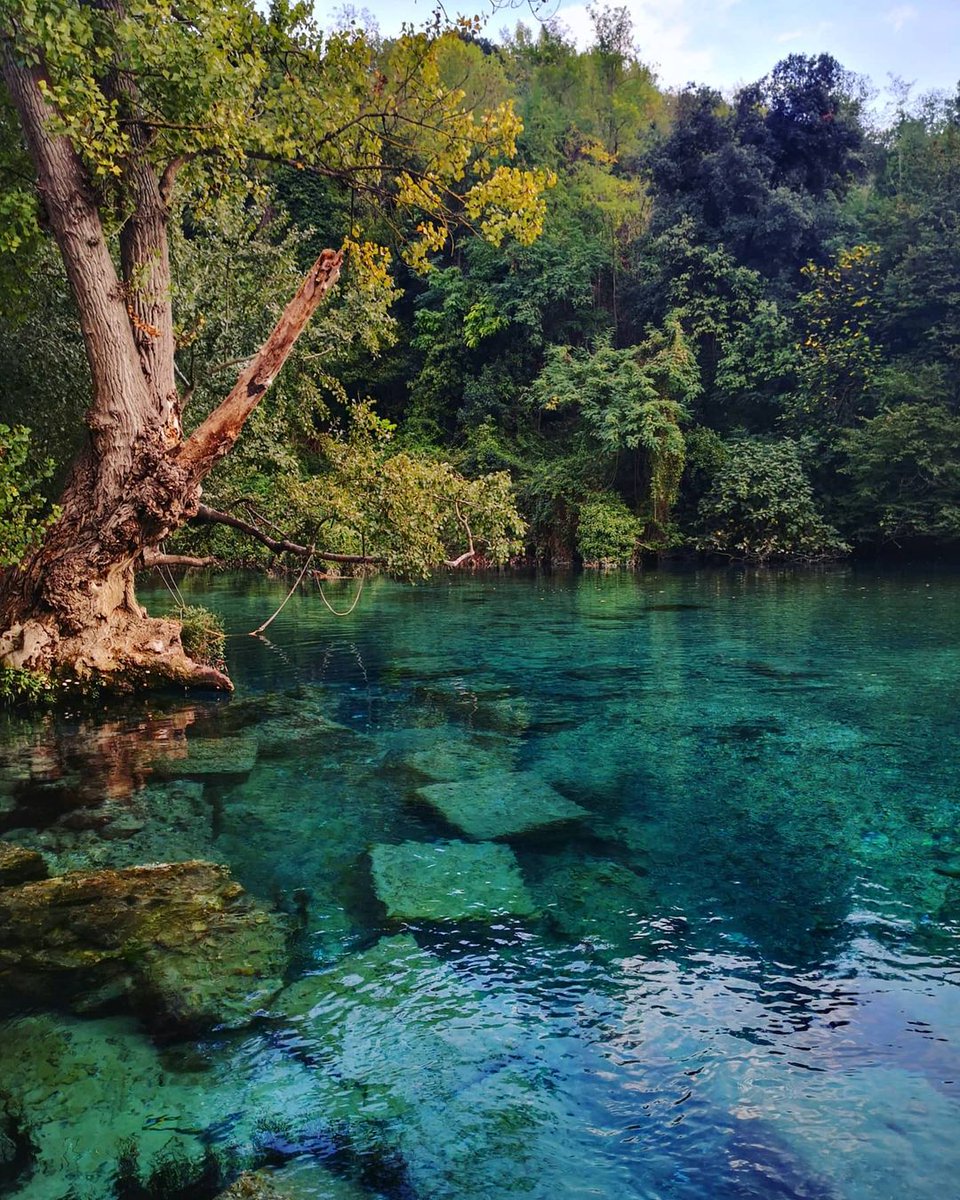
{"points": [[738, 333]]}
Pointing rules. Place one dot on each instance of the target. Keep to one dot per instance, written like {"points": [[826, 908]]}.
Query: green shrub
{"points": [[203, 636], [25, 689], [904, 467], [761, 506], [607, 532]]}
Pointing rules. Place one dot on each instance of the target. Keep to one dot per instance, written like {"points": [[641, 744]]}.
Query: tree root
{"points": [[128, 653]]}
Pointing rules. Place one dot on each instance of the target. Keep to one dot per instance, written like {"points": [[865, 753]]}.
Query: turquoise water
{"points": [[734, 975]]}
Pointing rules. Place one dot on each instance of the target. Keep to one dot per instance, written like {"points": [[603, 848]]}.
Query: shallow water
{"points": [[740, 975]]}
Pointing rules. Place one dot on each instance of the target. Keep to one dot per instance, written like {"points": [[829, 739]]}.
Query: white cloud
{"points": [[662, 37], [896, 18]]}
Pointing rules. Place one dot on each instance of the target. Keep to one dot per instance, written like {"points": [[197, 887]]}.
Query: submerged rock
{"points": [[182, 942], [306, 1179], [16, 1149], [500, 804], [308, 729], [395, 1025], [187, 758], [398, 1029], [450, 758], [83, 1090], [254, 1185], [162, 822], [20, 865], [593, 900], [508, 1135], [449, 881]]}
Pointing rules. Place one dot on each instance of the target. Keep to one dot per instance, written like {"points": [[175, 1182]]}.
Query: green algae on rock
{"points": [[181, 942], [20, 865], [500, 804], [449, 881]]}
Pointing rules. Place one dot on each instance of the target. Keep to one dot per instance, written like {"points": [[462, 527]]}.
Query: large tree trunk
{"points": [[70, 608]]}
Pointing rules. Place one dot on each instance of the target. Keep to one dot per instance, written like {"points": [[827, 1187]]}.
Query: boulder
{"points": [[500, 804], [182, 942], [20, 865], [449, 881]]}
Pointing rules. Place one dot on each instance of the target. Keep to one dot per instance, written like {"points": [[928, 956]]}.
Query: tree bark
{"points": [[70, 607]]}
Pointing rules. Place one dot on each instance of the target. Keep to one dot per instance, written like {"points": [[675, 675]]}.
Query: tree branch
{"points": [[214, 438], [468, 554], [212, 516], [153, 558]]}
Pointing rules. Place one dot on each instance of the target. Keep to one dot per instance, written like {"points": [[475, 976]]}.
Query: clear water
{"points": [[743, 978]]}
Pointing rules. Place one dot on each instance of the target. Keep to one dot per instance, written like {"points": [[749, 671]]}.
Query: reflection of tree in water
{"points": [[53, 769]]}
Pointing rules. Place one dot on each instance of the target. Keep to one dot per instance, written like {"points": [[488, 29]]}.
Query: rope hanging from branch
{"points": [[356, 599], [260, 628]]}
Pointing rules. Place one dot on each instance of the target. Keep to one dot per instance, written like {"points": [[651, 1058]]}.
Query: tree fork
{"points": [[70, 606]]}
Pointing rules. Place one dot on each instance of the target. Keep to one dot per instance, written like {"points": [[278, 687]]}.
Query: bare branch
{"points": [[212, 440], [469, 554]]}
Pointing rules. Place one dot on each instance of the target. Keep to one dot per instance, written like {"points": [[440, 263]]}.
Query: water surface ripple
{"points": [[741, 976]]}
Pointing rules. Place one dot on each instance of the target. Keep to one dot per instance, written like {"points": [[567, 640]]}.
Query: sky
{"points": [[729, 42]]}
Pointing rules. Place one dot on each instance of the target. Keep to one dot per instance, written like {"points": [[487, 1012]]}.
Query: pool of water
{"points": [[734, 974]]}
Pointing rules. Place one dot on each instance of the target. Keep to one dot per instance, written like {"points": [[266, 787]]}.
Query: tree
{"points": [[812, 123], [129, 108], [838, 355], [904, 468], [631, 403], [761, 506], [22, 515]]}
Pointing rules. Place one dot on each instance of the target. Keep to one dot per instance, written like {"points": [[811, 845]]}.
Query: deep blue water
{"points": [[740, 978]]}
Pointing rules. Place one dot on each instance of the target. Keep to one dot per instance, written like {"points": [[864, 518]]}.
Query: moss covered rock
{"points": [[20, 865], [449, 881], [182, 942], [500, 804]]}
